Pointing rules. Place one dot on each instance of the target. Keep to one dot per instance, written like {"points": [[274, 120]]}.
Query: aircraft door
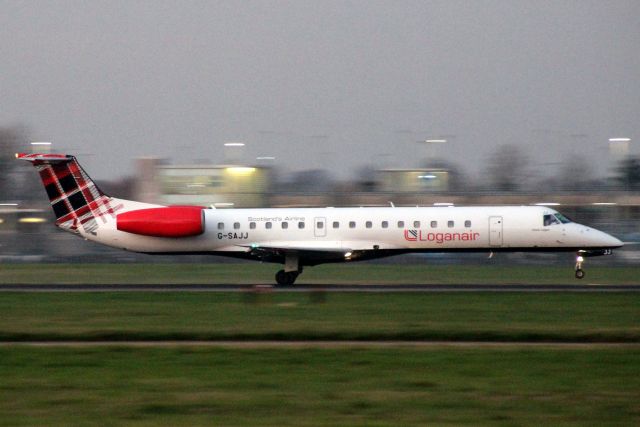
{"points": [[495, 231], [320, 227]]}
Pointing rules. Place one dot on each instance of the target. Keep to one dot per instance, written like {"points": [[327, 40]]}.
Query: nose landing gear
{"points": [[579, 270]]}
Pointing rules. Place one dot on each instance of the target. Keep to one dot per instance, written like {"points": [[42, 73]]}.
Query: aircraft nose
{"points": [[607, 240]]}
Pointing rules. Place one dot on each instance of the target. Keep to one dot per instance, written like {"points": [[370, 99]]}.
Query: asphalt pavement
{"points": [[363, 288]]}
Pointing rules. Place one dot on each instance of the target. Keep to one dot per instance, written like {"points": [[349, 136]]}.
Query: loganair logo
{"points": [[420, 236]]}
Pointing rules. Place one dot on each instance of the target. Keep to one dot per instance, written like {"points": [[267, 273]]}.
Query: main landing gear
{"points": [[286, 278], [579, 270], [292, 270]]}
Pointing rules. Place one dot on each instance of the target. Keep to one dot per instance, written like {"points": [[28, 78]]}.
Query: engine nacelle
{"points": [[172, 221]]}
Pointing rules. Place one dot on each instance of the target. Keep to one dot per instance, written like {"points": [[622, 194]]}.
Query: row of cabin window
{"points": [[336, 224]]}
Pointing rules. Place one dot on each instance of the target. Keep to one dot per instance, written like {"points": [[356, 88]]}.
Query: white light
{"points": [[265, 158], [223, 204], [40, 143], [435, 141], [348, 254], [619, 139], [31, 220], [8, 204], [547, 204], [427, 177], [234, 144], [443, 204], [580, 259], [240, 170], [604, 203]]}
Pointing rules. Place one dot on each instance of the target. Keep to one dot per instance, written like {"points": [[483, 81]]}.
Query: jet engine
{"points": [[172, 221]]}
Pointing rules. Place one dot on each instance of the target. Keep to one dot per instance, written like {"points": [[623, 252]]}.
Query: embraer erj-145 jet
{"points": [[308, 236]]}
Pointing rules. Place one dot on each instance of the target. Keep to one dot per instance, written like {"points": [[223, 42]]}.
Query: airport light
{"points": [[234, 144], [435, 141], [241, 170], [41, 143], [427, 177], [619, 139], [31, 220]]}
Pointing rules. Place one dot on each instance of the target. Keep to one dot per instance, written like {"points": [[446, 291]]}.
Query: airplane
{"points": [[300, 237]]}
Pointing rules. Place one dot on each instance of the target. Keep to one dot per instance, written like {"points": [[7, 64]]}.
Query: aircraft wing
{"points": [[312, 252]]}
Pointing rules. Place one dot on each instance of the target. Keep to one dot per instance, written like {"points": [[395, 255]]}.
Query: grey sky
{"points": [[320, 83]]}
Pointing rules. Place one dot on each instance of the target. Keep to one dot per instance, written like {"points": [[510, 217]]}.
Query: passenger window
{"points": [[352, 224], [434, 224], [221, 226], [467, 223], [416, 224], [336, 224], [368, 224], [385, 224], [400, 224], [301, 225], [252, 225], [285, 225], [236, 225], [450, 224], [267, 225], [319, 224]]}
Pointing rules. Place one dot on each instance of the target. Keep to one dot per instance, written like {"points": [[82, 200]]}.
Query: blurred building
{"points": [[21, 232], [205, 185], [413, 180]]}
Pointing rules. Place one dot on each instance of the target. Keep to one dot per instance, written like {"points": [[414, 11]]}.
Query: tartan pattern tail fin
{"points": [[76, 200]]}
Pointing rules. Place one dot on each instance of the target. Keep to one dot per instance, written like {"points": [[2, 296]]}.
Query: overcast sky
{"points": [[321, 83]]}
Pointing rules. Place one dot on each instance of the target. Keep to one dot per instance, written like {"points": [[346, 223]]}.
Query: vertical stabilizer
{"points": [[76, 200]]}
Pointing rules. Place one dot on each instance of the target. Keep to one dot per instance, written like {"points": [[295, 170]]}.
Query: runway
{"points": [[301, 344], [364, 288]]}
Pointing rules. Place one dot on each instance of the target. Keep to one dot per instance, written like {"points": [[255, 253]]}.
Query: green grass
{"points": [[318, 387], [254, 273], [580, 317]]}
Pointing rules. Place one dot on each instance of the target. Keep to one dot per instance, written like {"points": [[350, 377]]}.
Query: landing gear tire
{"points": [[579, 270], [286, 278]]}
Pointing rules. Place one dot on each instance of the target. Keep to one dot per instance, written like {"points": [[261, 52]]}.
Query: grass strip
{"points": [[318, 387], [356, 273], [523, 317]]}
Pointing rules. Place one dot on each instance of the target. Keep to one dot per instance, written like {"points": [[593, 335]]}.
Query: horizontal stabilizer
{"points": [[44, 157]]}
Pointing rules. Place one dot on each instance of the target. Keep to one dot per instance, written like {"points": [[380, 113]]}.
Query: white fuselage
{"points": [[382, 229]]}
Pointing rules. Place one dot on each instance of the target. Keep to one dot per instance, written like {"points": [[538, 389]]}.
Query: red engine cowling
{"points": [[172, 221]]}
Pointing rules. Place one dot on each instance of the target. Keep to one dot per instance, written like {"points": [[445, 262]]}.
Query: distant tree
{"points": [[312, 180], [10, 139], [366, 178], [629, 173], [507, 170], [575, 174]]}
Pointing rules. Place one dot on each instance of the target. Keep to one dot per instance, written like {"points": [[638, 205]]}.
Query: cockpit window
{"points": [[550, 220], [563, 219]]}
